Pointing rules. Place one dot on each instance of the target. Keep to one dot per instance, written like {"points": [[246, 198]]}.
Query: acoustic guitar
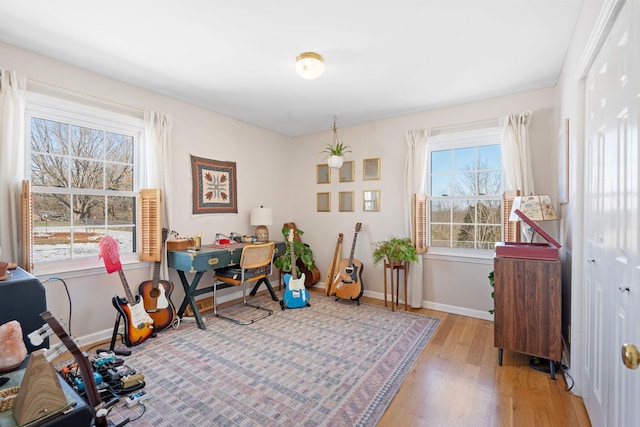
{"points": [[348, 282], [138, 324], [333, 268], [156, 296]]}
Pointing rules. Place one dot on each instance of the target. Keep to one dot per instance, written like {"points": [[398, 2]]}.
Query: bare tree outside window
{"points": [[465, 206], [83, 184]]}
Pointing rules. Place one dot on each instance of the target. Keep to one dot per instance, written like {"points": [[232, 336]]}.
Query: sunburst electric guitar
{"points": [[138, 324], [156, 296], [348, 282]]}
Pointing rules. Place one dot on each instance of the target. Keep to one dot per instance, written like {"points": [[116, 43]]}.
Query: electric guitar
{"points": [[138, 324], [348, 282], [156, 296], [312, 276], [295, 293]]}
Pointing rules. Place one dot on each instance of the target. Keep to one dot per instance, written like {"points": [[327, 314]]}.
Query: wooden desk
{"points": [[209, 258]]}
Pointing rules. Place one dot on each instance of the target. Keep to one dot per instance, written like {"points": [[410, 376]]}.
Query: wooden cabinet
{"points": [[528, 308]]}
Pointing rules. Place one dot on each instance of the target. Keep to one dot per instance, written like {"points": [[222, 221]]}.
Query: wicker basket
{"points": [[8, 397]]}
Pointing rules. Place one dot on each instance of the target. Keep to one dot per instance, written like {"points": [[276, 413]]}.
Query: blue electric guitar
{"points": [[295, 293]]}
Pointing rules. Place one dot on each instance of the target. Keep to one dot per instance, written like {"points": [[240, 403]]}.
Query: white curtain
{"points": [[414, 175], [12, 110], [516, 157], [157, 167]]}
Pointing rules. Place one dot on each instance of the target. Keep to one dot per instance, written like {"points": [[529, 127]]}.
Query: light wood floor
{"points": [[457, 382]]}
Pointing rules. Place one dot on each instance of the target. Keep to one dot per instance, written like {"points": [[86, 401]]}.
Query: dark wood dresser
{"points": [[528, 308]]}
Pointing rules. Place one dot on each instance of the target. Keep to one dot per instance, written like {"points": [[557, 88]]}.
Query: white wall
{"points": [[458, 286], [257, 153], [569, 98], [281, 173]]}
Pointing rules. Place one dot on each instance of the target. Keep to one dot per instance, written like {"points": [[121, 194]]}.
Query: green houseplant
{"points": [[394, 250], [301, 250], [336, 151]]}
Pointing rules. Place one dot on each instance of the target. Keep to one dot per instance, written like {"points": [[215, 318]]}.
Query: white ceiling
{"points": [[383, 58]]}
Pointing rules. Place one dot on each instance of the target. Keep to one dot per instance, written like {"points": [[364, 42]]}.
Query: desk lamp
{"points": [[535, 207], [261, 217]]}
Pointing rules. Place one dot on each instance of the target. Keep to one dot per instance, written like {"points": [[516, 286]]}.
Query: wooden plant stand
{"points": [[392, 266]]}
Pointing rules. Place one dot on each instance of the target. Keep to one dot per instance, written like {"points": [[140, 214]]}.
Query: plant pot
{"points": [[335, 161]]}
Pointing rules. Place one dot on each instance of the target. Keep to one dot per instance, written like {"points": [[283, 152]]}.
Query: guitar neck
{"points": [[353, 248], [125, 285], [156, 275], [292, 255]]}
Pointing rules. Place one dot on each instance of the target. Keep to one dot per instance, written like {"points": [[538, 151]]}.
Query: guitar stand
{"points": [[114, 337]]}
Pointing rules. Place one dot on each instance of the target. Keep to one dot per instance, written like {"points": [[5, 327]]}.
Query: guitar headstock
{"points": [[110, 254], [340, 236], [358, 227], [290, 235]]}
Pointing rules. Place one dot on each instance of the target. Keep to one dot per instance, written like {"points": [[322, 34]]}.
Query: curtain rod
{"points": [[92, 98], [468, 125]]}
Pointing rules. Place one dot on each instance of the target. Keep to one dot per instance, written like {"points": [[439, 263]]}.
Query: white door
{"points": [[612, 235]]}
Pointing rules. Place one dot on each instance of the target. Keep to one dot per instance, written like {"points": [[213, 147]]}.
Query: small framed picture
{"points": [[347, 172], [371, 200], [371, 169], [323, 174], [345, 201], [323, 202]]}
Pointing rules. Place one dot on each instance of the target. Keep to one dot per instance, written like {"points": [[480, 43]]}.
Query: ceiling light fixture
{"points": [[309, 65]]}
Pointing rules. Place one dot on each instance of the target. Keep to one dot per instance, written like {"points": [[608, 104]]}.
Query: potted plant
{"points": [[336, 151], [301, 250], [395, 250], [335, 154]]}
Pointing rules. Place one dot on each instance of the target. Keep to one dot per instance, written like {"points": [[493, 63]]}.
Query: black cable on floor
{"points": [[66, 288], [566, 375]]}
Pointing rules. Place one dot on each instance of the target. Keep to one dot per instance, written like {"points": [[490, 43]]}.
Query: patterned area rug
{"points": [[332, 364]]}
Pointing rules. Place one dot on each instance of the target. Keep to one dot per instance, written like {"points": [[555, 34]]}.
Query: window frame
{"points": [[77, 113], [460, 140]]}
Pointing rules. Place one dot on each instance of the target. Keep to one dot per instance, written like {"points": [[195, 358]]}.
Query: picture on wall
{"points": [[323, 174], [214, 186], [323, 202]]}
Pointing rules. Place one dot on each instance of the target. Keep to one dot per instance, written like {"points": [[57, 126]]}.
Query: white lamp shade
{"points": [[536, 207], [261, 216], [309, 65]]}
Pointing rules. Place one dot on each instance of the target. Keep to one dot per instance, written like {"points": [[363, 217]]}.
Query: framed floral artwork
{"points": [[214, 186]]}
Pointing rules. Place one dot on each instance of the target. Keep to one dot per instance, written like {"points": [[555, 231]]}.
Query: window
{"points": [[83, 166], [465, 185]]}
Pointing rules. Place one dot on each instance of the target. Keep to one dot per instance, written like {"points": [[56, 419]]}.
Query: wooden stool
{"points": [[397, 267]]}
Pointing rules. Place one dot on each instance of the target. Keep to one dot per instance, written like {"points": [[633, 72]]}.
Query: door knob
{"points": [[630, 356], [591, 260], [623, 288]]}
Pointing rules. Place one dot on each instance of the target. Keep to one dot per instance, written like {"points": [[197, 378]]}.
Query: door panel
{"points": [[612, 235]]}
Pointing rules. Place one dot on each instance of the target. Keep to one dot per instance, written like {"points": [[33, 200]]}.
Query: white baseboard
{"points": [[478, 314], [105, 335]]}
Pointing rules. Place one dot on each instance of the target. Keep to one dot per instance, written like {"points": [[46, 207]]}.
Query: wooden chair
{"points": [[255, 264]]}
